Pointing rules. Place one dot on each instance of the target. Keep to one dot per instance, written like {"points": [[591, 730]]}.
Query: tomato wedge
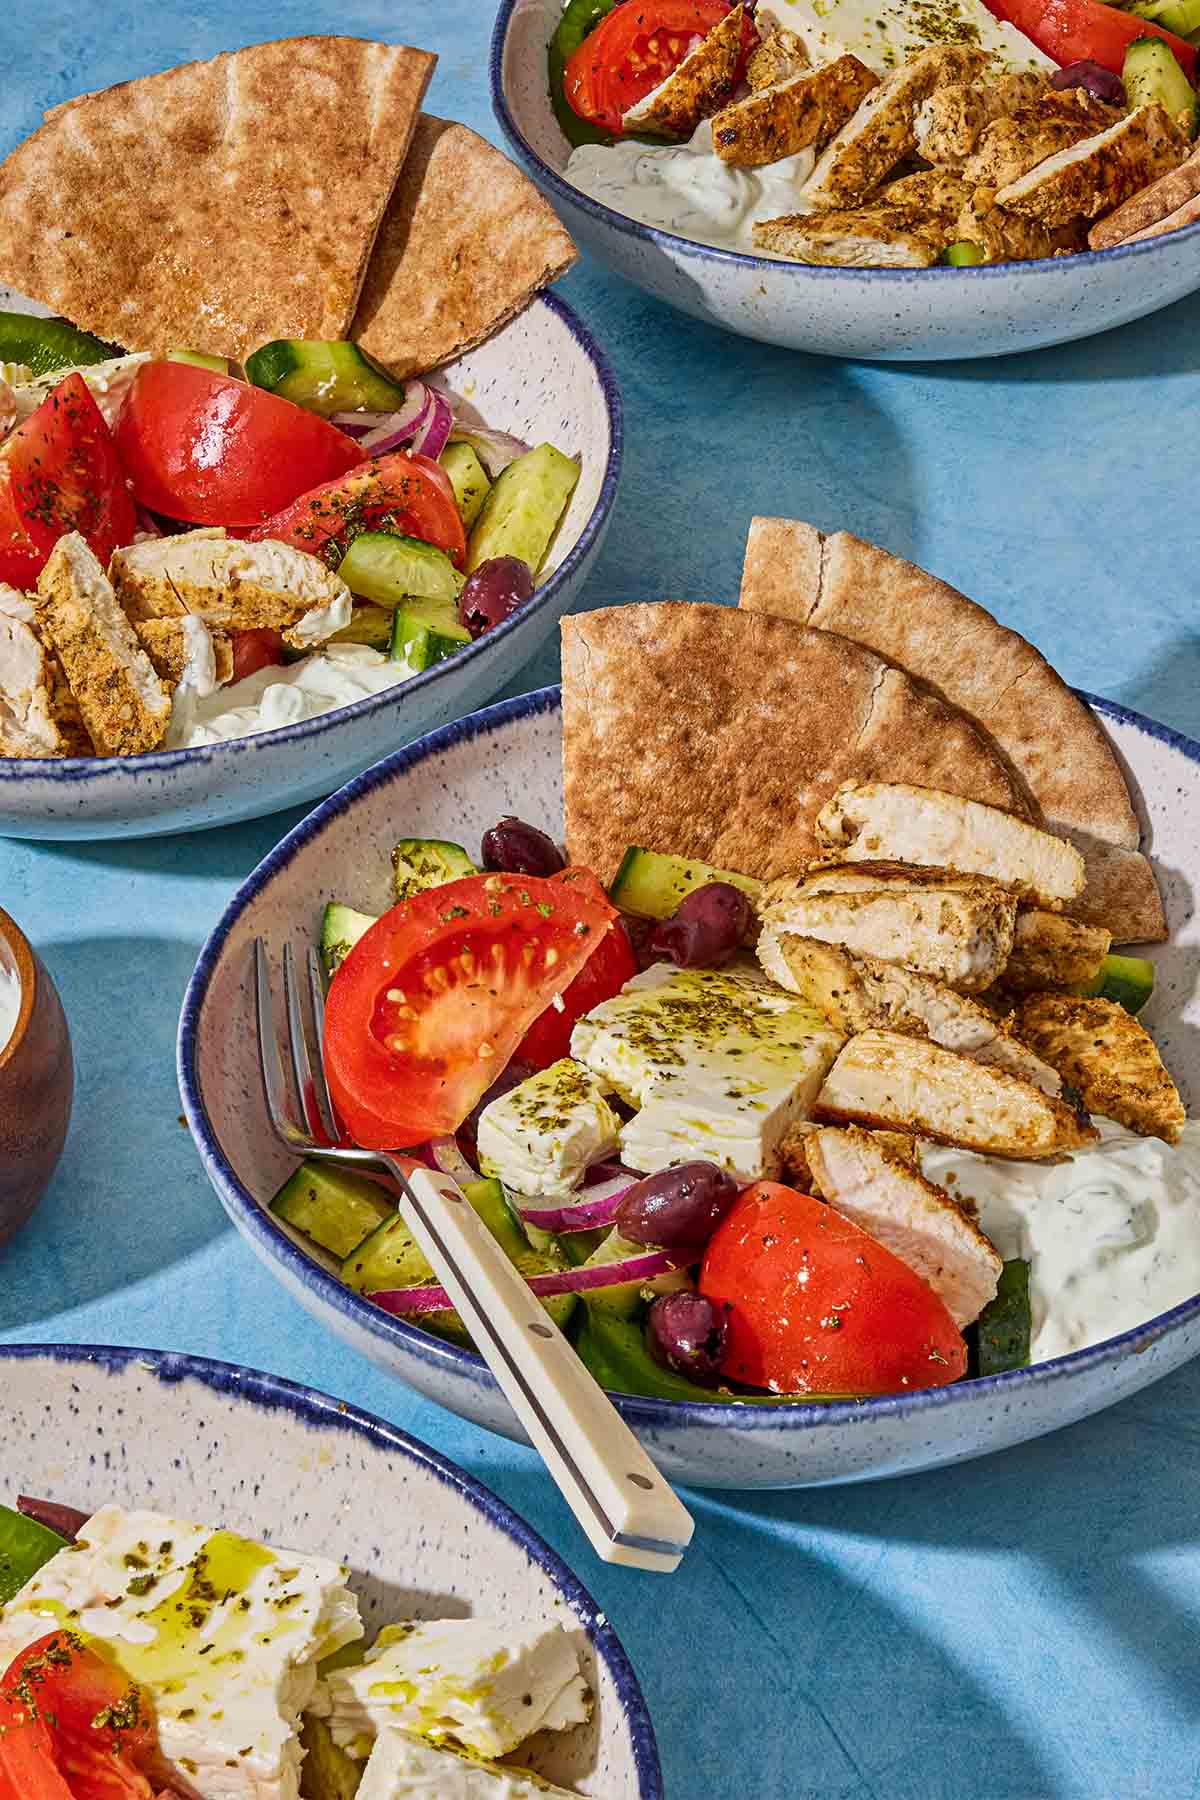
{"points": [[72, 1727], [611, 964], [206, 447], [816, 1306], [401, 492], [631, 51], [59, 472], [255, 650], [433, 1000], [1078, 30]]}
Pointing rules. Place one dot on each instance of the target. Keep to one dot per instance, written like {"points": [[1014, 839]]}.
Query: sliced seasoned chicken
{"points": [[794, 1151], [948, 125], [1051, 951], [124, 706], [239, 586], [801, 113], [957, 928], [1098, 174], [917, 1221], [883, 1078], [695, 90], [859, 993], [1101, 1050], [187, 653], [1005, 236], [897, 823], [883, 130], [906, 226], [28, 726], [1010, 146], [780, 55]]}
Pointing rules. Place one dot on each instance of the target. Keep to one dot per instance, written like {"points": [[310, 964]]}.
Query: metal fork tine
{"points": [[325, 1106], [274, 1083], [297, 1040]]}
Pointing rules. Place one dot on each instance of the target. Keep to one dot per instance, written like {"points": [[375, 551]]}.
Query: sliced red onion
{"points": [[408, 1302], [495, 449], [357, 425], [380, 432], [67, 1521], [592, 1206], [450, 1160], [434, 434], [146, 522]]}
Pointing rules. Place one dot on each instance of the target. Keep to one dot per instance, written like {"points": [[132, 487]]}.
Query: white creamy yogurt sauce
{"points": [[1112, 1235], [10, 1003], [339, 675]]}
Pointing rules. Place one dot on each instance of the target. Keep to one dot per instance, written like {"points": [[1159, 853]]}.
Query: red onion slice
{"points": [[591, 1207], [67, 1521], [410, 1302], [434, 434], [495, 449]]}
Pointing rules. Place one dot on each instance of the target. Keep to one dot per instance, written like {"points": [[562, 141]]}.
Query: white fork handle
{"points": [[628, 1511]]}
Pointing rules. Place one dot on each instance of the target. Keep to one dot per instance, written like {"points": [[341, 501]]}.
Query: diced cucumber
{"points": [[1005, 1326], [650, 884], [326, 1773], [199, 359], [426, 631], [521, 514], [468, 478], [389, 569], [334, 1207], [327, 376], [1152, 73], [614, 1349], [44, 345], [341, 928], [1129, 980], [624, 1300], [369, 624], [25, 1547], [420, 863], [1180, 16], [964, 254]]}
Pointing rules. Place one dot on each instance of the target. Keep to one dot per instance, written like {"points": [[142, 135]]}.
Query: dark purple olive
{"points": [[677, 1209], [493, 592], [688, 1333], [1100, 82], [514, 848], [706, 927]]}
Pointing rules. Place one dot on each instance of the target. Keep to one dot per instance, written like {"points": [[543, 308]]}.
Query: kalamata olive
{"points": [[706, 927], [493, 592], [688, 1332], [1097, 80], [677, 1209], [514, 848]]}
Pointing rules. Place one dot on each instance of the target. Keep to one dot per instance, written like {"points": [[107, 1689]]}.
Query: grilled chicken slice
{"points": [[1098, 174], [906, 226], [1050, 951], [187, 652], [781, 55], [1009, 147], [882, 132], [235, 585], [896, 823], [38, 714], [1005, 236], [860, 993], [794, 1151], [948, 125], [917, 1221], [1102, 1051], [801, 113], [904, 1084], [957, 928], [699, 87]]}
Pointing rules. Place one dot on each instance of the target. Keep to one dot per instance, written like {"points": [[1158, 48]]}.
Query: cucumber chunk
{"points": [[1129, 980], [426, 631], [1180, 16], [387, 568], [614, 1349], [1152, 73], [468, 478], [44, 345], [370, 625], [964, 254], [199, 359], [325, 375], [25, 1547], [521, 514], [625, 1299], [1005, 1326], [326, 1773], [341, 928], [650, 884], [420, 863], [334, 1207]]}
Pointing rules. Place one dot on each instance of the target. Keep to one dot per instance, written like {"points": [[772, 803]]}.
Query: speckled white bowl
{"points": [[255, 1453], [543, 378], [508, 759], [880, 315]]}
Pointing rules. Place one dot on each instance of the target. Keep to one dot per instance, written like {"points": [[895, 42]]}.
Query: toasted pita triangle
{"points": [[465, 243], [956, 648], [709, 732], [220, 204]]}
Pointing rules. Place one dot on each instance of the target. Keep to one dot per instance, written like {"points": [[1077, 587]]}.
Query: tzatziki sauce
{"points": [[336, 676], [10, 1003], [1111, 1234]]}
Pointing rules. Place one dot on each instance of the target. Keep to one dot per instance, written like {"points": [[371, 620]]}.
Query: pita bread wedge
{"points": [[957, 649], [710, 732], [218, 205], [466, 243]]}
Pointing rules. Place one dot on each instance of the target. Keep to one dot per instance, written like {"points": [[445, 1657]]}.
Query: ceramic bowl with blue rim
{"points": [[508, 760], [542, 378], [271, 1460], [879, 315]]}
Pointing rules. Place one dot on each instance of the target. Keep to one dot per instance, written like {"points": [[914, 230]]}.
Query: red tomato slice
{"points": [[59, 472], [73, 1726], [611, 964], [1077, 30], [816, 1306], [217, 451], [400, 492], [631, 51], [255, 650], [433, 1000]]}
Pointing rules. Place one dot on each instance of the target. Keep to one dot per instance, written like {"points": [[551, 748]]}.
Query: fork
{"points": [[627, 1510]]}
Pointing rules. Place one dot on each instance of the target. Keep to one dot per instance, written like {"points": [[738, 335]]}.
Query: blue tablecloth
{"points": [[1016, 1628]]}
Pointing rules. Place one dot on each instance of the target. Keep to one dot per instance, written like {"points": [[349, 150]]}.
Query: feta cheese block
{"points": [[720, 1062], [223, 1633], [403, 1767], [541, 1137], [488, 1686]]}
